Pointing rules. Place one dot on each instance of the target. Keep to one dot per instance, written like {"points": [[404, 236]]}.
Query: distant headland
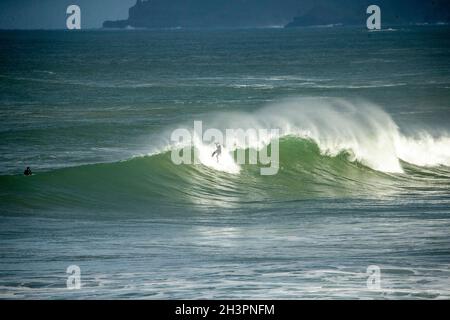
{"points": [[287, 13]]}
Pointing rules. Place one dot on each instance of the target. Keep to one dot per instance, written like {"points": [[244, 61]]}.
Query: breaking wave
{"points": [[328, 148]]}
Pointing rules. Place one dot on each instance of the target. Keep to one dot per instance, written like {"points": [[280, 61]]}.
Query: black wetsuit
{"points": [[218, 151]]}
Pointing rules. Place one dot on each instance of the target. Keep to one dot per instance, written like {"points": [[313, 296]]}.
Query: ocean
{"points": [[363, 179]]}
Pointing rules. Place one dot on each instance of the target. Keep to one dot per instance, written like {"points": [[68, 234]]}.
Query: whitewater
{"points": [[360, 128]]}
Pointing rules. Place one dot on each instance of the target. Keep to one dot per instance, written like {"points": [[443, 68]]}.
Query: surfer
{"points": [[217, 152], [27, 172]]}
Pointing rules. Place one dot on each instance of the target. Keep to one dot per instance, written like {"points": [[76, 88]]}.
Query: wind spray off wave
{"points": [[362, 129]]}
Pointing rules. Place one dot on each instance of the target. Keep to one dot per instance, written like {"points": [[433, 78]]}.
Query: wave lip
{"points": [[358, 127]]}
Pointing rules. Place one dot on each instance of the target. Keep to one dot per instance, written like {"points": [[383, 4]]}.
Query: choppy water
{"points": [[364, 167]]}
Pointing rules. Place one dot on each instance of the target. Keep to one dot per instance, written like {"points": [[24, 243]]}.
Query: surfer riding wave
{"points": [[217, 152]]}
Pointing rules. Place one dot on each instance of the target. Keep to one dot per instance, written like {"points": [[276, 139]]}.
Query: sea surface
{"points": [[363, 171]]}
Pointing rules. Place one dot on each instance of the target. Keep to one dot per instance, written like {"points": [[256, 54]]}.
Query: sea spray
{"points": [[358, 127]]}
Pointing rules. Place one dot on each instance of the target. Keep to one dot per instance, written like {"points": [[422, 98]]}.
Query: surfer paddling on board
{"points": [[27, 172], [217, 152]]}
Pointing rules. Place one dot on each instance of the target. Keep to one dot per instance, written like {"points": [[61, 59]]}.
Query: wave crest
{"points": [[360, 128]]}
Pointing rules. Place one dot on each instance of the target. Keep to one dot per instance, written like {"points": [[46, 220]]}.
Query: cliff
{"points": [[262, 13], [206, 13]]}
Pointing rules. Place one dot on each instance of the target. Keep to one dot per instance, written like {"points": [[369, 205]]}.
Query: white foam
{"points": [[358, 127], [424, 150], [225, 162], [336, 125]]}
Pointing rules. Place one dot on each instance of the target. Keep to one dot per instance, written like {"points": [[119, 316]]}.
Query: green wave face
{"points": [[151, 183]]}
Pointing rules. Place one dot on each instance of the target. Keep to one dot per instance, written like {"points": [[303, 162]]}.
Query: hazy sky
{"points": [[51, 14]]}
